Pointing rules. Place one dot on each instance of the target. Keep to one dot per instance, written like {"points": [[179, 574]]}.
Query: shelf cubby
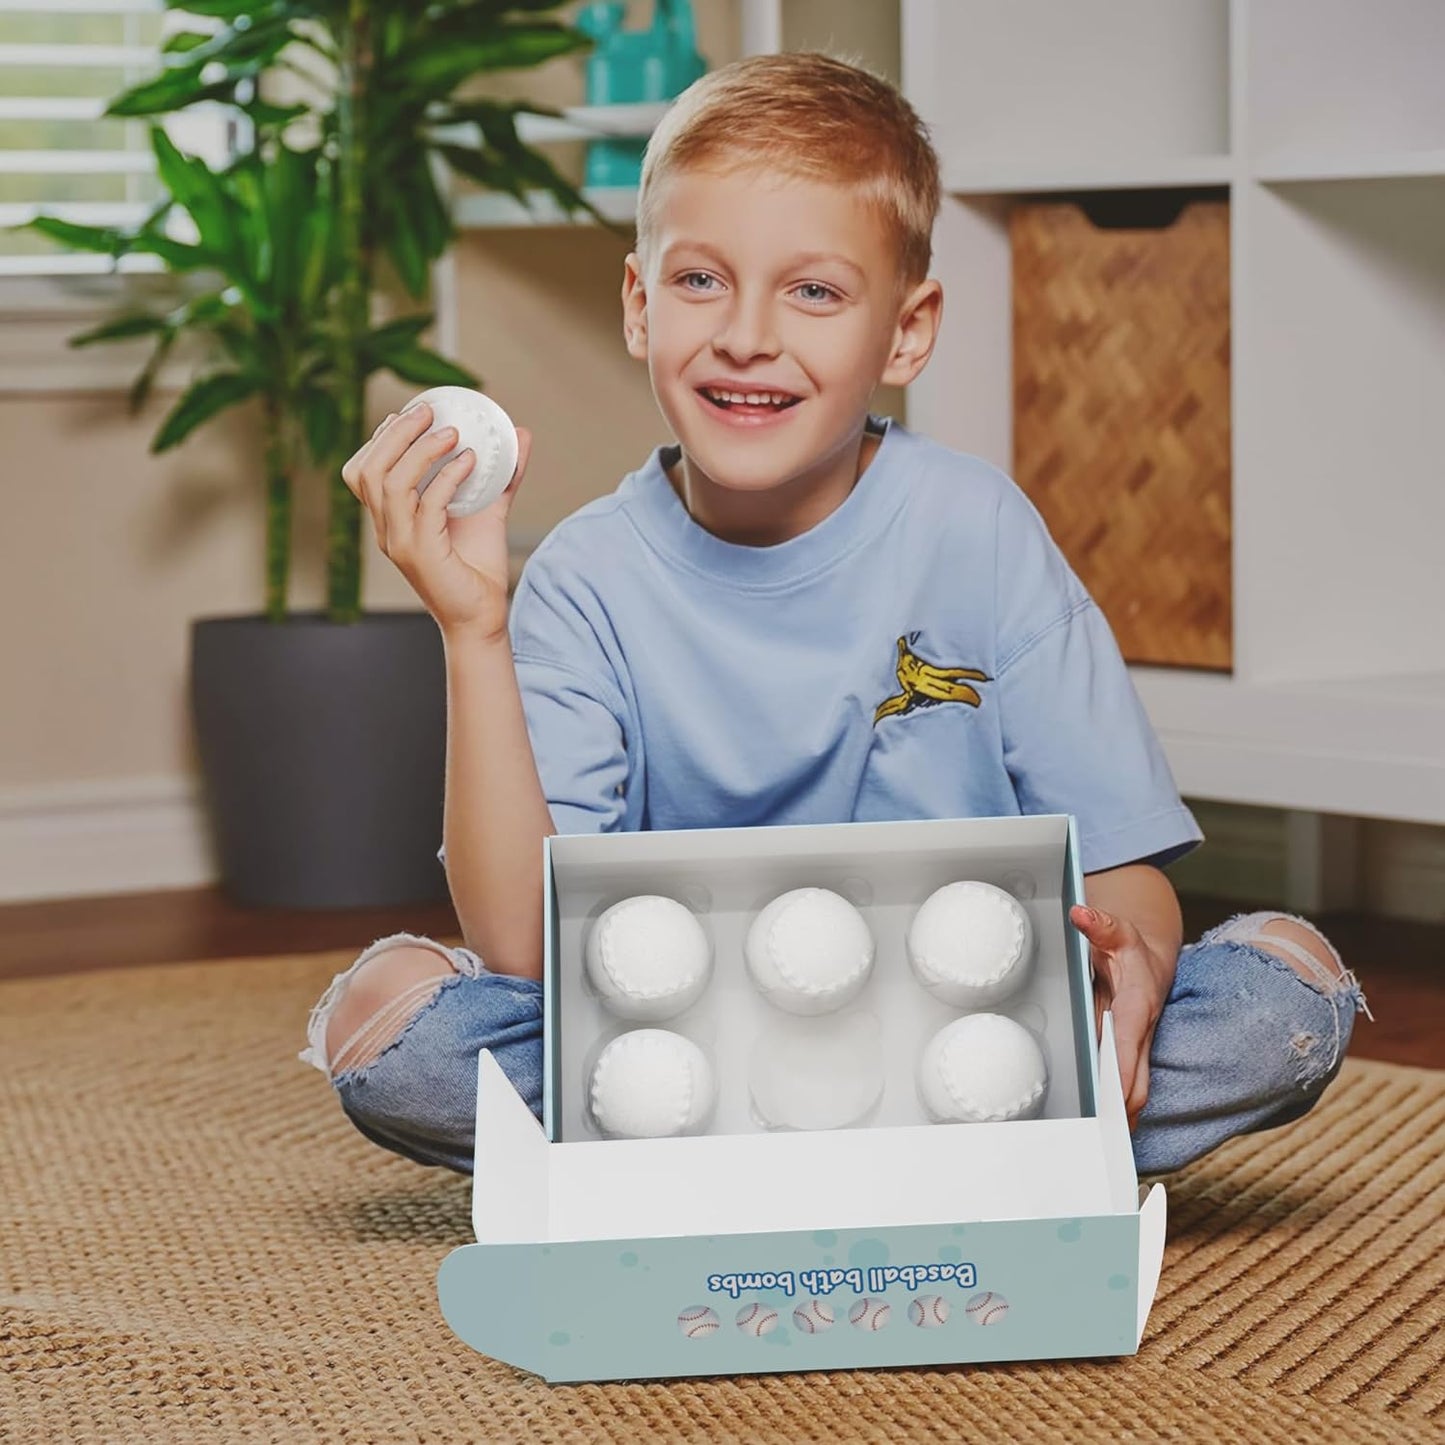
{"points": [[1340, 490], [1094, 83], [1343, 81]]}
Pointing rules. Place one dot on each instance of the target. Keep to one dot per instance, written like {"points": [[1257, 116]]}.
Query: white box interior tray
{"points": [[886, 870]]}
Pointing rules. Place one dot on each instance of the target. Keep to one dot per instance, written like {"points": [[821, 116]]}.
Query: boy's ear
{"points": [[634, 308], [917, 331]]}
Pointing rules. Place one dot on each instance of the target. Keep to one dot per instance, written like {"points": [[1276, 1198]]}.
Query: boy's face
{"points": [[779, 285]]}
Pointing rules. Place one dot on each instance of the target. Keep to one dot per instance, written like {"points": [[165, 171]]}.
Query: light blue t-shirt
{"points": [[923, 652]]}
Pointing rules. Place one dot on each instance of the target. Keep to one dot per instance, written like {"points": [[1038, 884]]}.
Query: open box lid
{"points": [[527, 1189]]}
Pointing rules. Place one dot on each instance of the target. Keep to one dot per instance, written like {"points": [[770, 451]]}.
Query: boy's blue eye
{"points": [[819, 292]]}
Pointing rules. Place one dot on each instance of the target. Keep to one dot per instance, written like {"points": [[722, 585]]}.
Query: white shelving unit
{"points": [[1326, 121]]}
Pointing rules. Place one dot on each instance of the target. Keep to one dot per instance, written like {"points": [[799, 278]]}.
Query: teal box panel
{"points": [[638, 1308]]}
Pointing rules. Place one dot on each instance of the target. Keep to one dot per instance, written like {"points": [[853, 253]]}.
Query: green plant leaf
{"points": [[287, 197], [172, 90], [201, 192], [107, 240], [402, 330], [486, 167], [122, 328], [206, 312], [178, 255], [264, 115], [437, 64], [489, 115], [240, 46], [242, 344], [140, 388], [406, 250], [519, 174], [321, 417], [316, 250], [431, 219], [243, 52], [220, 9], [184, 40], [465, 21], [417, 364], [201, 401], [249, 220]]}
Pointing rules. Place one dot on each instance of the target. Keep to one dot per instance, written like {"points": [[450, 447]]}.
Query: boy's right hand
{"points": [[458, 566]]}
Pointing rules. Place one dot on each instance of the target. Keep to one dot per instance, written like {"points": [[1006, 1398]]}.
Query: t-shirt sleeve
{"points": [[1076, 737], [575, 710]]}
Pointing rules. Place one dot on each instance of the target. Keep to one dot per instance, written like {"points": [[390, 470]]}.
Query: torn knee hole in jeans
{"points": [[385, 1027], [1325, 971]]}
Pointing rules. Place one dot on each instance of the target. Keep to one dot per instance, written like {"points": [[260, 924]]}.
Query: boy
{"points": [[801, 613]]}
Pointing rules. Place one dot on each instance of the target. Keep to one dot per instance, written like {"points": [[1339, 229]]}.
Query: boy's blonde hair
{"points": [[807, 115]]}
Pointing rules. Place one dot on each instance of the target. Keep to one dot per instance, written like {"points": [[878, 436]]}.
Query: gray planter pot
{"points": [[322, 749]]}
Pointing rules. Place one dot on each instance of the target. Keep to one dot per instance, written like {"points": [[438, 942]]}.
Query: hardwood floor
{"points": [[1400, 964]]}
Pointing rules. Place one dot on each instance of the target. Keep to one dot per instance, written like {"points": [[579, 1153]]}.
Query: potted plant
{"points": [[321, 734]]}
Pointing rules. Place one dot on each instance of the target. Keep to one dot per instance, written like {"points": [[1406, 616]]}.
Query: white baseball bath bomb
{"points": [[648, 958], [651, 1084], [970, 944], [484, 427], [982, 1068], [809, 951]]}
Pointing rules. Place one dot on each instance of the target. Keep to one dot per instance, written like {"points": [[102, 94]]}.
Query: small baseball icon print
{"points": [[756, 1319], [929, 1311], [813, 1316], [986, 1308], [697, 1321], [870, 1313]]}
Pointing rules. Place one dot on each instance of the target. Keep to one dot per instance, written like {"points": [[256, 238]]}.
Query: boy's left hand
{"points": [[1133, 982]]}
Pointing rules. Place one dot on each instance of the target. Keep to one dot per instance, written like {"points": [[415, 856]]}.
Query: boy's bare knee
{"points": [[379, 1000], [1308, 938]]}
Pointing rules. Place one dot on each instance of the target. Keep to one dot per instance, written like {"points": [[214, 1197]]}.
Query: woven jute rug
{"points": [[197, 1246]]}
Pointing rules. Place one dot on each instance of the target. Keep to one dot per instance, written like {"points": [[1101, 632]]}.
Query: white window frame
{"points": [[46, 299]]}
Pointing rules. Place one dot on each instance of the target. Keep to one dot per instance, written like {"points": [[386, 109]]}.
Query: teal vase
{"points": [[631, 66]]}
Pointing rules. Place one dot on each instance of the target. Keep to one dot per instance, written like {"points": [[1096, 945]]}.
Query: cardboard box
{"points": [[925, 1243]]}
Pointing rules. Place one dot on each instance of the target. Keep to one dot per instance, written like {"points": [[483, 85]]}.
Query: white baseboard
{"points": [[1400, 866], [138, 835], [1243, 855], [129, 835], [1403, 870]]}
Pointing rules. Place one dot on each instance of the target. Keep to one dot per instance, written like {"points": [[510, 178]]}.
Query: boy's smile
{"points": [[769, 313]]}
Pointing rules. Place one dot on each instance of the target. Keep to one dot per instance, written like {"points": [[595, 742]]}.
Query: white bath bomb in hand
{"points": [[484, 427], [651, 1084], [648, 958], [809, 951], [970, 944], [982, 1068]]}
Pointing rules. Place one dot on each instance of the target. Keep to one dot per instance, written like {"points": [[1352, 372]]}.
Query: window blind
{"points": [[61, 62]]}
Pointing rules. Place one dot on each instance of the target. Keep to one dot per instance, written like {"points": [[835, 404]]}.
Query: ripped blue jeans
{"points": [[1244, 1043]]}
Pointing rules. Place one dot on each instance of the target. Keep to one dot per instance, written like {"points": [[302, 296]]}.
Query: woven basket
{"points": [[1121, 417]]}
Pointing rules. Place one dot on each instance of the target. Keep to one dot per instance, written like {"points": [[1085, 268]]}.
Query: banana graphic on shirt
{"points": [[924, 684]]}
